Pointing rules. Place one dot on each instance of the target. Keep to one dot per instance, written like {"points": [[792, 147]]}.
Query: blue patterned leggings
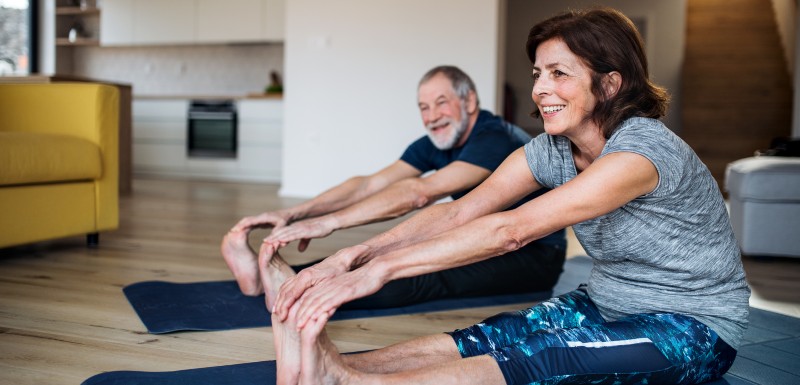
{"points": [[565, 340]]}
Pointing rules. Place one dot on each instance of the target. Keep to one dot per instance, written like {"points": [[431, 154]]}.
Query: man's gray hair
{"points": [[462, 84]]}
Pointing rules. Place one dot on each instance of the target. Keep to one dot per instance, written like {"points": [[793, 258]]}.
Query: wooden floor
{"points": [[63, 317]]}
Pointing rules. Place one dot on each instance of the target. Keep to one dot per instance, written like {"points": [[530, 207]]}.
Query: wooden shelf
{"points": [[259, 95], [77, 11], [83, 41]]}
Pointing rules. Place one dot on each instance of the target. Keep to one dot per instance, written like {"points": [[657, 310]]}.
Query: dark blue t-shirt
{"points": [[490, 142]]}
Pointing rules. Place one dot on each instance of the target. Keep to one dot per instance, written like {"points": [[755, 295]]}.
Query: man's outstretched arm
{"points": [[393, 201], [336, 198]]}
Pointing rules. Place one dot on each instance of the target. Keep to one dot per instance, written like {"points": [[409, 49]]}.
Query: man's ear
{"points": [[612, 82], [472, 102]]}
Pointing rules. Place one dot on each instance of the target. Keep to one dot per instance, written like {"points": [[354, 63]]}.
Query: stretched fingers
{"points": [[286, 234], [290, 291], [318, 301]]}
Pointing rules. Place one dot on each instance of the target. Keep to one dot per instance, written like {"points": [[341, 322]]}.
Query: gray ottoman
{"points": [[764, 198]]}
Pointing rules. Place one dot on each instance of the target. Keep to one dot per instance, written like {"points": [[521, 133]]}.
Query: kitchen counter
{"points": [[48, 78], [210, 97]]}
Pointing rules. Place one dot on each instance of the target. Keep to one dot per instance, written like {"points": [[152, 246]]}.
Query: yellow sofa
{"points": [[58, 161]]}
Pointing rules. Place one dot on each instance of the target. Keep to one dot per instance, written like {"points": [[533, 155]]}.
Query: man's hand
{"points": [[275, 219], [303, 230], [331, 267]]}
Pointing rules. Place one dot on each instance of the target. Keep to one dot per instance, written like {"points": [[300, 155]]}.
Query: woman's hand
{"points": [[329, 268], [275, 219], [322, 300]]}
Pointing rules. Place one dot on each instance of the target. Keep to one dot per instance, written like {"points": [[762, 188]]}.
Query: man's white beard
{"points": [[458, 130]]}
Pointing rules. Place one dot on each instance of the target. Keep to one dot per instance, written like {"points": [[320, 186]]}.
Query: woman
{"points": [[667, 299]]}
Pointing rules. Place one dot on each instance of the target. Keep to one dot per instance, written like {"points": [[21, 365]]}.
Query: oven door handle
{"points": [[211, 115]]}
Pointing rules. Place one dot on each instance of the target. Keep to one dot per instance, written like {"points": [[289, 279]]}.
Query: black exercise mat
{"points": [[261, 373], [166, 307], [771, 361]]}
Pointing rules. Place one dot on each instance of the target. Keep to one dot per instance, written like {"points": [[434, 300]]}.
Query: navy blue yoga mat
{"points": [[166, 307], [261, 373], [769, 356]]}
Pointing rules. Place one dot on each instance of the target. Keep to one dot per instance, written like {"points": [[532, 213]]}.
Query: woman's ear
{"points": [[612, 82]]}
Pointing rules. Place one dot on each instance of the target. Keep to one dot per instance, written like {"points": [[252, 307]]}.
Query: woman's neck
{"points": [[587, 147]]}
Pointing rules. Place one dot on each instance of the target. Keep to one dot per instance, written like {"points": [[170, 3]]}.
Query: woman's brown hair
{"points": [[606, 41]]}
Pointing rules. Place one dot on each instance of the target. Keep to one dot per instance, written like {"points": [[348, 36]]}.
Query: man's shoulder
{"points": [[491, 128], [488, 121], [421, 143]]}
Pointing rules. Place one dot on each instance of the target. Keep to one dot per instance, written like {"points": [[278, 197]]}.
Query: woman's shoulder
{"points": [[643, 133], [640, 126]]}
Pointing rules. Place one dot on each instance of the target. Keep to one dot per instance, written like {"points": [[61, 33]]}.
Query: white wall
{"points": [[785, 11], [796, 110], [665, 35], [47, 37], [352, 68]]}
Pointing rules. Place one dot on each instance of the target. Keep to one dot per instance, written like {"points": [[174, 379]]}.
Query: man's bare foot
{"points": [[321, 363], [274, 271], [287, 349], [242, 261]]}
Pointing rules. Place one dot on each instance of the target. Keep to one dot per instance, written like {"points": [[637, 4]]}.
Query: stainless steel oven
{"points": [[212, 129]]}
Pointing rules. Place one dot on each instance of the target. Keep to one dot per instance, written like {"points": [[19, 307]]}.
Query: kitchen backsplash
{"points": [[233, 70]]}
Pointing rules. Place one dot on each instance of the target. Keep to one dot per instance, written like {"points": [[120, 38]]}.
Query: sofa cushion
{"points": [[28, 158], [764, 178]]}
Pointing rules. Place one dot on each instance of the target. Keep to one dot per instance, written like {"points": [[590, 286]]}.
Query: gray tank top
{"points": [[669, 251]]}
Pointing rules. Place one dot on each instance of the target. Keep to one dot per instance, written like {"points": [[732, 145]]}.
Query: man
{"points": [[464, 145]]}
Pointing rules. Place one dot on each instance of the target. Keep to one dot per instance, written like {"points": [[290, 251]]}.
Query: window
{"points": [[18, 37]]}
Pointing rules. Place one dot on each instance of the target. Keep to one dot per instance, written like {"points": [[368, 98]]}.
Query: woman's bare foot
{"points": [[274, 271], [242, 261], [321, 363], [287, 349]]}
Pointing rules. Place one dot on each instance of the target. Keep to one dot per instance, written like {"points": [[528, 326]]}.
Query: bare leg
{"points": [[322, 364], [287, 349], [408, 355], [242, 261], [274, 271]]}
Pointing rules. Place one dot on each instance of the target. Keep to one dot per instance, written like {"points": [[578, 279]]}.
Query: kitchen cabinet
{"points": [[116, 23], [273, 17], [232, 20], [153, 22], [145, 22], [159, 136], [160, 129], [163, 22], [260, 139]]}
